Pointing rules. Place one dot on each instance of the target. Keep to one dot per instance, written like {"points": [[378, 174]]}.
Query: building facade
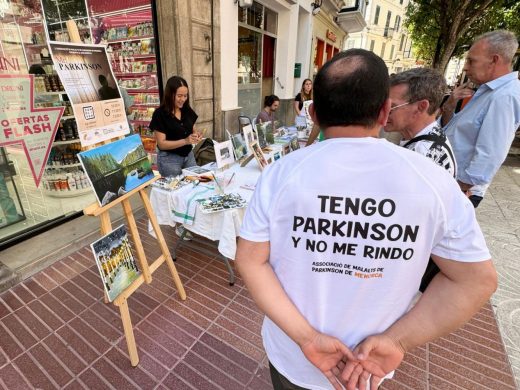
{"points": [[261, 45], [385, 34]]}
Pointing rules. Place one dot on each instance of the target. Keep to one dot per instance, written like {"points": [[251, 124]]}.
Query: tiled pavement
{"points": [[499, 216], [56, 332]]}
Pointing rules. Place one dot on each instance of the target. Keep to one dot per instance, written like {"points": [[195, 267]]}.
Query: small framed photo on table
{"points": [[224, 153], [259, 155], [249, 137]]}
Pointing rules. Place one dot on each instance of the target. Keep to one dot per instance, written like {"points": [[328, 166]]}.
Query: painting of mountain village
{"points": [[115, 262], [116, 168]]}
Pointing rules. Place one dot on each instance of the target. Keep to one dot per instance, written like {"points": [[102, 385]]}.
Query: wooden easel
{"points": [[147, 269]]}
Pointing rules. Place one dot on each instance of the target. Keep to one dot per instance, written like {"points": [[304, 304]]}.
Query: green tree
{"points": [[441, 29]]}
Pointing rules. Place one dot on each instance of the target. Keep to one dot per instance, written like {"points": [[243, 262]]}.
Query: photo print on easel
{"points": [[116, 264], [224, 153], [116, 168]]}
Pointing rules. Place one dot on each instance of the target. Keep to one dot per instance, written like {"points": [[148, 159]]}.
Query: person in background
{"points": [[106, 92], [337, 311], [271, 104], [416, 96], [304, 94], [481, 134], [173, 124], [128, 102]]}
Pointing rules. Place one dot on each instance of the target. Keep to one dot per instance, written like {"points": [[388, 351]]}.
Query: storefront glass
{"points": [[256, 56], [127, 28]]}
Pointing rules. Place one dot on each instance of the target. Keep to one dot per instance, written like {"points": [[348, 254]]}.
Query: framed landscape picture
{"points": [[115, 262], [116, 168], [239, 145]]}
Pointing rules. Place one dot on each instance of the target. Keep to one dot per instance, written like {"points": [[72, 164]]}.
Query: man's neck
{"points": [[419, 126], [351, 132], [500, 72]]}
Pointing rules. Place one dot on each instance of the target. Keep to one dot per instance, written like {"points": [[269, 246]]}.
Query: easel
{"points": [[106, 227], [147, 269]]}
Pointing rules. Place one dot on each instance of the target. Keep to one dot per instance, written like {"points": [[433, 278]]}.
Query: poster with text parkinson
{"points": [[87, 77]]}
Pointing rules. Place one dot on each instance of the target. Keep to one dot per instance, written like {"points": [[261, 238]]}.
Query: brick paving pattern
{"points": [[499, 216], [56, 332]]}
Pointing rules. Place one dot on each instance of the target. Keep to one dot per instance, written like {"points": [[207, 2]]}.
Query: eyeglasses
{"points": [[400, 105]]}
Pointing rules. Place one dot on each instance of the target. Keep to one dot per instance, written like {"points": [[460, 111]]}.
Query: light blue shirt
{"points": [[482, 132]]}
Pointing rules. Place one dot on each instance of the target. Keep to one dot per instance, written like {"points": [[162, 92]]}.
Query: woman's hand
{"points": [[192, 139]]}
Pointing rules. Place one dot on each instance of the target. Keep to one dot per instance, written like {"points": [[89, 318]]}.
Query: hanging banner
{"points": [[87, 77], [20, 123]]}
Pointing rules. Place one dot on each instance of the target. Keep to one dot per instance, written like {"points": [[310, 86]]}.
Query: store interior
{"points": [[126, 28]]}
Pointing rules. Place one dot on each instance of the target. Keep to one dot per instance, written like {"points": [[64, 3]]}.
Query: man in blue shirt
{"points": [[483, 131]]}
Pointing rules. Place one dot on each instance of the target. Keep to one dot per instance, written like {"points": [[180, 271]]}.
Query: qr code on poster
{"points": [[88, 112]]}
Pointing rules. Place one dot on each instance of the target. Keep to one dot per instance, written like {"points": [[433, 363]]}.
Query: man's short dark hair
{"points": [[423, 83], [351, 89]]}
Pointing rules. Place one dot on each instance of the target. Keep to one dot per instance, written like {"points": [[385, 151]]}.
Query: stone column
{"points": [[190, 48]]}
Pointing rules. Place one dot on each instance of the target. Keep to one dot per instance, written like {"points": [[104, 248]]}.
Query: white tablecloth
{"points": [[222, 226]]}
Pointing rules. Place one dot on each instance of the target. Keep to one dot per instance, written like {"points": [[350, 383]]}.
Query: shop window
{"points": [[256, 56], [249, 56], [270, 21], [252, 16], [126, 27]]}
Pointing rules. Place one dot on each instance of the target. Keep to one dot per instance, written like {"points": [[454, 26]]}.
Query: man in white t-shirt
{"points": [[337, 236]]}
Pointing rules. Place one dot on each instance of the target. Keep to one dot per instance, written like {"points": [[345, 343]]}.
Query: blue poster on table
{"points": [[116, 168]]}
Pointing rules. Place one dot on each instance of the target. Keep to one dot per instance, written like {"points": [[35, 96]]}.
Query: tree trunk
{"points": [[446, 56]]}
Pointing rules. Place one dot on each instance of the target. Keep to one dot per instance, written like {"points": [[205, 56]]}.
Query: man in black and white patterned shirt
{"points": [[416, 96]]}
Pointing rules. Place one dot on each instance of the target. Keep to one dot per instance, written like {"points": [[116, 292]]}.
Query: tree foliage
{"points": [[441, 29]]}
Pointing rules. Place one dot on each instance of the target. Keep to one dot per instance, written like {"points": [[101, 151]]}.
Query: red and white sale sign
{"points": [[21, 123]]}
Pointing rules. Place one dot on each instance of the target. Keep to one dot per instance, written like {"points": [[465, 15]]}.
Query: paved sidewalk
{"points": [[56, 332], [499, 217]]}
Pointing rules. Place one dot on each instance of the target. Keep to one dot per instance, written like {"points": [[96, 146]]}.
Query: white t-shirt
{"points": [[351, 224]]}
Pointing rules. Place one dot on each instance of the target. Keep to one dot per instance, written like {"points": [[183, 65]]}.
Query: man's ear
{"points": [[312, 113], [384, 112], [423, 105]]}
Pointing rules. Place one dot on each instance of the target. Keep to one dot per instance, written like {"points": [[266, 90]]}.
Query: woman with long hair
{"points": [[173, 126], [304, 94]]}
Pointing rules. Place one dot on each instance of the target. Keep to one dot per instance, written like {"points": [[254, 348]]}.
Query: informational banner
{"points": [[20, 123], [87, 77]]}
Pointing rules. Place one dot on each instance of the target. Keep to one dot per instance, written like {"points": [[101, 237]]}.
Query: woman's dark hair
{"points": [[36, 69], [270, 99], [303, 95], [351, 89], [172, 85]]}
